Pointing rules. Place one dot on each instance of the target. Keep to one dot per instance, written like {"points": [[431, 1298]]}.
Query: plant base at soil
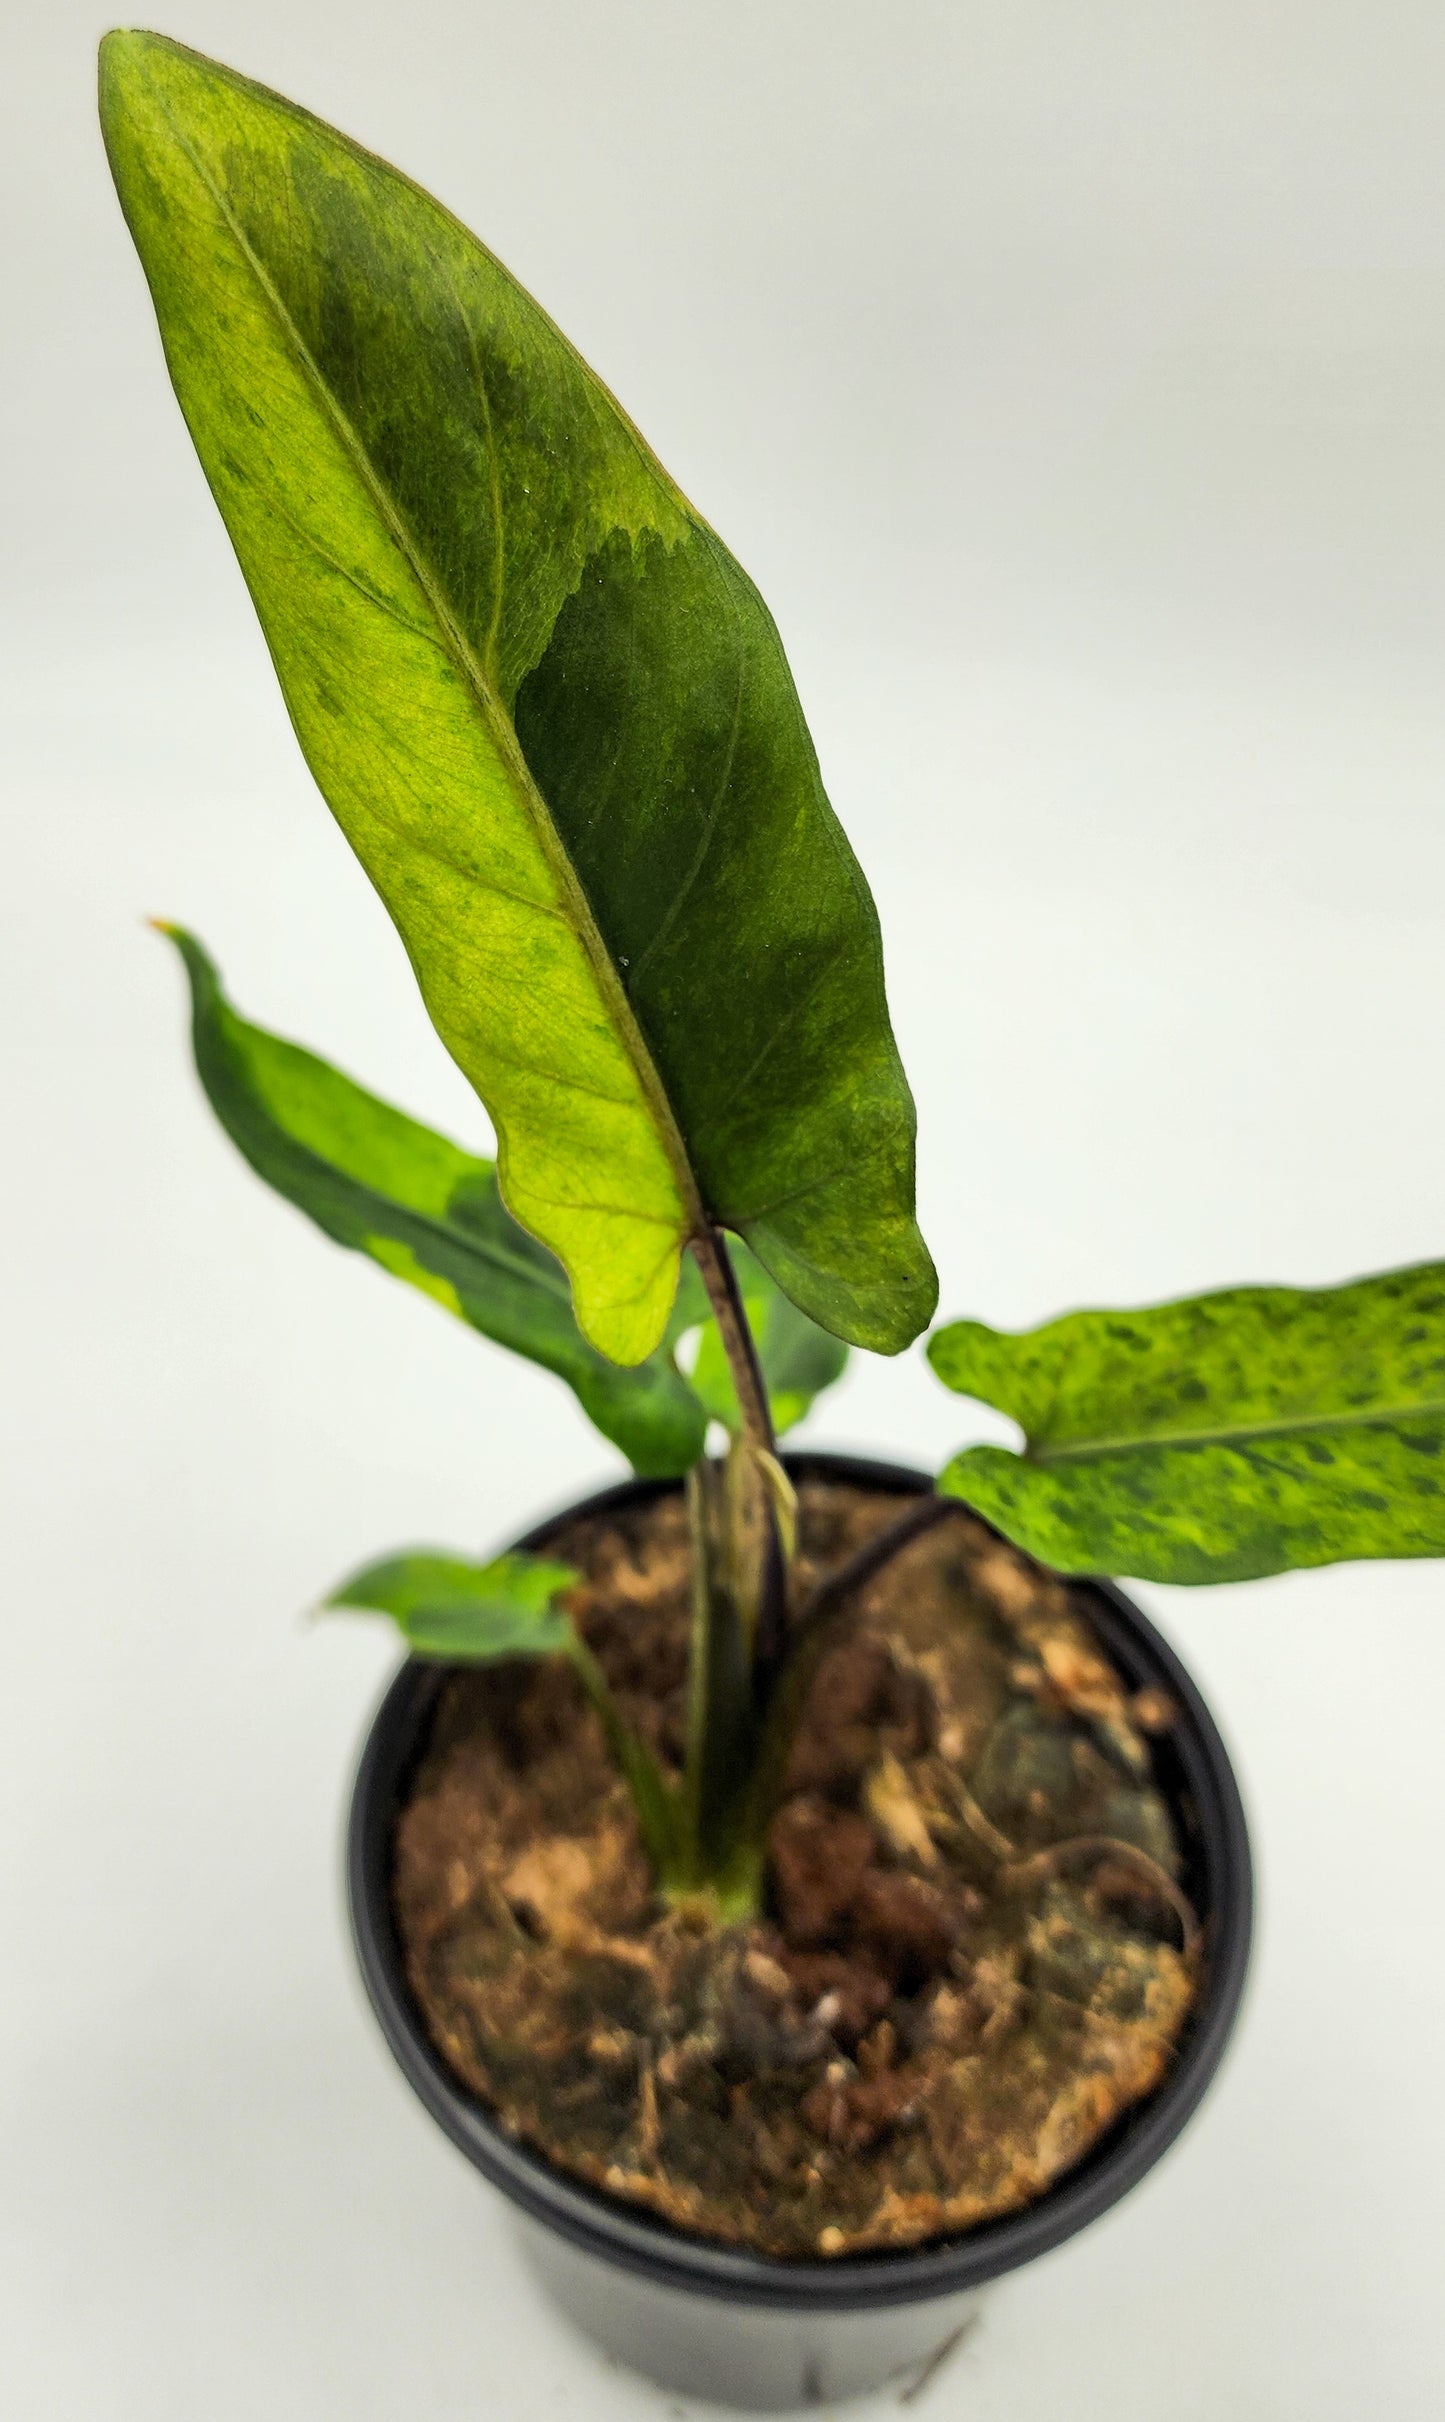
{"points": [[975, 1955]]}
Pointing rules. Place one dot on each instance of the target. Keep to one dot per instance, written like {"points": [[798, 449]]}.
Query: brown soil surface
{"points": [[942, 2008]]}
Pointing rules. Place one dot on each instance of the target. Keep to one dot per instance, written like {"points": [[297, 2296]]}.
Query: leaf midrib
{"points": [[1236, 1433], [497, 723]]}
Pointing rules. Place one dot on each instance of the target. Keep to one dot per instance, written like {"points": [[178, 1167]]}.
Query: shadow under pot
{"points": [[748, 2329]]}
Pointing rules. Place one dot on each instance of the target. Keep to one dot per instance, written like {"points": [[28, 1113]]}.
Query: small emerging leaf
{"points": [[445, 1607], [378, 1181], [798, 1358], [783, 1498], [466, 1613], [1219, 1438]]}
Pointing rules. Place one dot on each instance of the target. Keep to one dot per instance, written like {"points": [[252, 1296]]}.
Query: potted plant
{"points": [[806, 1888]]}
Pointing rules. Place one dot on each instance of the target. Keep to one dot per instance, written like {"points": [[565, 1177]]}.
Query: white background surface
{"points": [[1070, 378]]}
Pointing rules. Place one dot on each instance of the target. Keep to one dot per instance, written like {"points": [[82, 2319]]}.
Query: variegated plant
{"points": [[554, 720]]}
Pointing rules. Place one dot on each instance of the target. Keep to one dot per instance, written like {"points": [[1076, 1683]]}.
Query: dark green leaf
{"points": [[1218, 1438], [798, 1358], [428, 1212], [549, 711], [445, 1607]]}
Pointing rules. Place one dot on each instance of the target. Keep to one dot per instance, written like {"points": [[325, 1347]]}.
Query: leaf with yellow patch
{"points": [[427, 1211], [549, 711]]}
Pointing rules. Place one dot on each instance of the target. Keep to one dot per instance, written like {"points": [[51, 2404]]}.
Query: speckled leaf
{"points": [[1218, 1438], [549, 711], [446, 1607], [430, 1213], [798, 1359]]}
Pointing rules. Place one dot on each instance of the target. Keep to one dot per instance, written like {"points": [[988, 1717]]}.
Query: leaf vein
{"points": [[710, 821], [324, 555], [1236, 1434]]}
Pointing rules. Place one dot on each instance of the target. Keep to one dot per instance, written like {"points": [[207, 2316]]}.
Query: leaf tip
{"points": [[939, 1349], [118, 48]]}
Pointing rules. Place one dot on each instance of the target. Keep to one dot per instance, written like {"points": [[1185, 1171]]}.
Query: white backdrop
{"points": [[1070, 378]]}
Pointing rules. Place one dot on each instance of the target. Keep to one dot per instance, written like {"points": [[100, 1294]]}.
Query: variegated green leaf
{"points": [[1218, 1438], [549, 711], [430, 1213]]}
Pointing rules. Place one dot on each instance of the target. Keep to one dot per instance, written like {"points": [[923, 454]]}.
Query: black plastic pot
{"points": [[744, 2329]]}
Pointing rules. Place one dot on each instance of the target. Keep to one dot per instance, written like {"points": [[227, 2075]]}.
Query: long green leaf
{"points": [[549, 711], [430, 1213], [1219, 1438]]}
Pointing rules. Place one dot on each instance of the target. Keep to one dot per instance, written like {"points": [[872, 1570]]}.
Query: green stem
{"points": [[811, 1636], [698, 1486], [768, 1598], [656, 1799], [722, 1726]]}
